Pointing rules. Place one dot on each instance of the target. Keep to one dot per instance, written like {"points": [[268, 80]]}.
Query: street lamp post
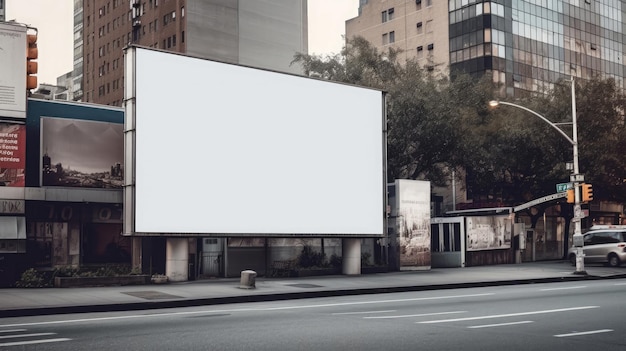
{"points": [[576, 177]]}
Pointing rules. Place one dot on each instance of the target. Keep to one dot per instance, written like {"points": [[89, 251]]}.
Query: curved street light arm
{"points": [[553, 125]]}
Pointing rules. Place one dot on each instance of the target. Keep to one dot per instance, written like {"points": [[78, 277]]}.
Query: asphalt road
{"points": [[586, 315]]}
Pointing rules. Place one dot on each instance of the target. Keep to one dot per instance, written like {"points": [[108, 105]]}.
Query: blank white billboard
{"points": [[227, 149]]}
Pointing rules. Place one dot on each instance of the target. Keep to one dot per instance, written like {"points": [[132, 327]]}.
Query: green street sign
{"points": [[563, 187]]}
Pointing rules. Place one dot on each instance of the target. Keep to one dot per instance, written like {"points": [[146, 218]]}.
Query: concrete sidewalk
{"points": [[44, 301]]}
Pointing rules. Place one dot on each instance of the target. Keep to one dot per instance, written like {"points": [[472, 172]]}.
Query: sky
{"points": [[54, 22]]}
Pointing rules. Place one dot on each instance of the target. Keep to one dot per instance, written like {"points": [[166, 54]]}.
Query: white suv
{"points": [[603, 244]]}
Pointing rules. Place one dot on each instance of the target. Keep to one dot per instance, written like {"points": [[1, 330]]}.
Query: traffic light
{"points": [[31, 64], [571, 196], [587, 192]]}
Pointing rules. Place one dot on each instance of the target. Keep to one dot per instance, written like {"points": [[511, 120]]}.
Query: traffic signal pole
{"points": [[577, 178]]}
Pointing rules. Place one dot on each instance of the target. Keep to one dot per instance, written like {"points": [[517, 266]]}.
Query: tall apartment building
{"points": [[526, 45], [258, 33], [415, 27]]}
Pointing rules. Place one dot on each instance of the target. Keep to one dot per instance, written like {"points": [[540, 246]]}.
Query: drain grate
{"points": [[151, 295], [305, 285]]}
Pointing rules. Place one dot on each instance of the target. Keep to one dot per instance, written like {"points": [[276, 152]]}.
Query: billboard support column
{"points": [[176, 259], [351, 257], [137, 253]]}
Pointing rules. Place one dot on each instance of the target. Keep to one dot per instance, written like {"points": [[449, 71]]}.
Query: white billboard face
{"points": [[226, 149], [12, 70]]}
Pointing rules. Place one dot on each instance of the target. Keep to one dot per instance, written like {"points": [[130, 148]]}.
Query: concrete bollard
{"points": [[248, 279]]}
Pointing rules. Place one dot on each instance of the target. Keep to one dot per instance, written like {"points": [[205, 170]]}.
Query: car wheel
{"points": [[572, 259], [614, 260]]}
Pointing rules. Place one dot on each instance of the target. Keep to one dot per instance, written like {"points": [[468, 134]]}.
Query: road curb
{"points": [[148, 305]]}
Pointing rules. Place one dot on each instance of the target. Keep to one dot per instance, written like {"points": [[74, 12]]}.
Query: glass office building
{"points": [[527, 45]]}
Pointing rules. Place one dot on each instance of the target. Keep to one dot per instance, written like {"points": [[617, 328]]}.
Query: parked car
{"points": [[603, 244]]}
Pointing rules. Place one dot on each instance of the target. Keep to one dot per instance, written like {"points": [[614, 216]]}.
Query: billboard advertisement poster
{"points": [[12, 154], [413, 222], [488, 233], [81, 153]]}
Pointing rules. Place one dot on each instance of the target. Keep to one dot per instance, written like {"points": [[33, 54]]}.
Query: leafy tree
{"points": [[600, 107]]}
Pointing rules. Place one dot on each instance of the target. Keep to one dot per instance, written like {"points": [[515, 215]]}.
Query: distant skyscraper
{"points": [[259, 33], [525, 45]]}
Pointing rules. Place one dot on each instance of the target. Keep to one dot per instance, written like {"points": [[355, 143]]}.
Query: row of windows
{"points": [[429, 3], [480, 50], [457, 4], [465, 13], [387, 15], [389, 38], [608, 16], [120, 21], [106, 9], [420, 51], [106, 67], [115, 44], [476, 38], [106, 88]]}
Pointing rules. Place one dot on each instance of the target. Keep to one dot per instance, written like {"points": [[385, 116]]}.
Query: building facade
{"points": [[61, 193], [260, 33], [525, 45]]}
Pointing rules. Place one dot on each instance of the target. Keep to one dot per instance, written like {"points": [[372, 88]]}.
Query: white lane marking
{"points": [[25, 335], [368, 302], [567, 288], [187, 313], [509, 315], [498, 325], [584, 333], [12, 330], [32, 342], [619, 284], [414, 315], [363, 312]]}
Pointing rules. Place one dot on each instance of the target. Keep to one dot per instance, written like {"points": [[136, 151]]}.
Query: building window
{"points": [[182, 11], [420, 28], [392, 37], [420, 52], [429, 3], [431, 46], [182, 37], [385, 39], [165, 20], [174, 40], [174, 16], [429, 26]]}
